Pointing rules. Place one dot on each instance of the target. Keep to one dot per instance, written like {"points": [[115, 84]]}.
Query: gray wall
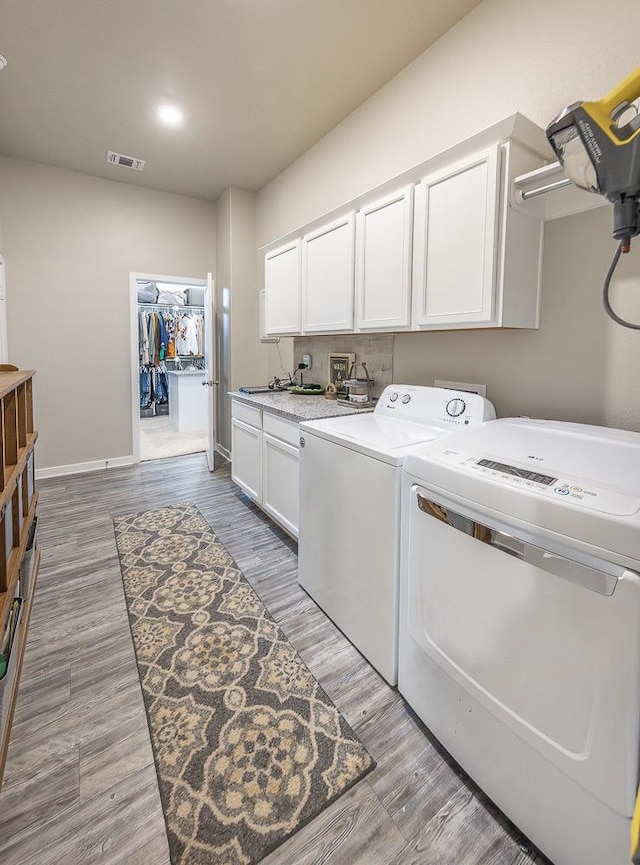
{"points": [[505, 56], [579, 366], [70, 241], [247, 353], [242, 356]]}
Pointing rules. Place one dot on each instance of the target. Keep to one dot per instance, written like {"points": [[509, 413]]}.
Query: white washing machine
{"points": [[520, 623], [349, 519]]}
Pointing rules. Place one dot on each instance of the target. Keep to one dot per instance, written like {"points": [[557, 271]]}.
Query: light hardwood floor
{"points": [[80, 785]]}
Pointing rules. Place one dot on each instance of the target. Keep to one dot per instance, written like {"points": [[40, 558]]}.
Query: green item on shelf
{"points": [[3, 666], [306, 390]]}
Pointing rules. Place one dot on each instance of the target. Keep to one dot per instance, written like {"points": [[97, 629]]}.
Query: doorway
{"points": [[171, 371]]}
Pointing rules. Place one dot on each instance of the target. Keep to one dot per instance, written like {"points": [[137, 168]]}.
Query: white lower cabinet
{"points": [[246, 458], [280, 482], [264, 462]]}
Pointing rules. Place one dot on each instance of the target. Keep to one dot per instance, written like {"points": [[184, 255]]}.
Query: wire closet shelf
{"points": [[173, 307]]}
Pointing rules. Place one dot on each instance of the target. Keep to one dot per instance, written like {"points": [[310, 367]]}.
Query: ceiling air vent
{"points": [[125, 161]]}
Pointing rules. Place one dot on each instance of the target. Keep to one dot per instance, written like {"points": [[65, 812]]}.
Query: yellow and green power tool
{"points": [[598, 144]]}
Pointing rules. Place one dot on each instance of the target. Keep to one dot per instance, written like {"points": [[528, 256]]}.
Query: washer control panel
{"points": [[561, 489], [456, 407], [434, 405]]}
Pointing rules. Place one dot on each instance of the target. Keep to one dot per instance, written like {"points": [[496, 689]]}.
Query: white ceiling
{"points": [[260, 81]]}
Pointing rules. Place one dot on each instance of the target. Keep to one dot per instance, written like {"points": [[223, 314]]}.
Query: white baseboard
{"points": [[101, 465], [80, 468]]}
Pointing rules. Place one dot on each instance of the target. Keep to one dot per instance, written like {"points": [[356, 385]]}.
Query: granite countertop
{"points": [[297, 407]]}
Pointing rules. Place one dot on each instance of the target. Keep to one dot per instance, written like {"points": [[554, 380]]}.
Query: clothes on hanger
{"points": [[200, 334], [145, 387], [154, 385], [160, 384], [165, 334], [143, 338], [187, 342]]}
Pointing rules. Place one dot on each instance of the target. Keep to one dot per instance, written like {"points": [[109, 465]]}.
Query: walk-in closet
{"points": [[171, 360]]}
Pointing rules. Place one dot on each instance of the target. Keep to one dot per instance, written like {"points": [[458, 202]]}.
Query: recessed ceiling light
{"points": [[170, 114]]}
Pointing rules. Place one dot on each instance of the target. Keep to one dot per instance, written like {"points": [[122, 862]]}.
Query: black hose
{"points": [[624, 246]]}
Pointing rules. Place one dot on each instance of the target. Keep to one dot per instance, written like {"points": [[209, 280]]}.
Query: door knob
{"points": [[210, 383]]}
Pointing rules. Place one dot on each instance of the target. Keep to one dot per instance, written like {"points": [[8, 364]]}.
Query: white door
{"points": [[280, 482], [517, 657], [455, 244], [210, 372], [383, 262], [282, 284], [246, 458], [328, 257]]}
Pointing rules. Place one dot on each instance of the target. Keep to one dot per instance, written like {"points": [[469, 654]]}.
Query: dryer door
{"points": [[549, 647]]}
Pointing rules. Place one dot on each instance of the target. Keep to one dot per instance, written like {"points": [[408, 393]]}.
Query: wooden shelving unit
{"points": [[18, 501]]}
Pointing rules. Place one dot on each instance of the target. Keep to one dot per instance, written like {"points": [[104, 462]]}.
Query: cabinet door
{"points": [[282, 284], [280, 482], [455, 244], [246, 458], [328, 277], [262, 324], [383, 263]]}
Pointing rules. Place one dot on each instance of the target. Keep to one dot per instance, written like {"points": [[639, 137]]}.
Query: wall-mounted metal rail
{"points": [[547, 192]]}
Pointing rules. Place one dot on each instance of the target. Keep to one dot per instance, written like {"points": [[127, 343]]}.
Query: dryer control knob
{"points": [[456, 407]]}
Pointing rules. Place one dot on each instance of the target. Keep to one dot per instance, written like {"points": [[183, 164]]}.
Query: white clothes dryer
{"points": [[349, 512], [520, 623]]}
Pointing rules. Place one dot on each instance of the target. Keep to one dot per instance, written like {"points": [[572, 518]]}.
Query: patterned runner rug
{"points": [[247, 745]]}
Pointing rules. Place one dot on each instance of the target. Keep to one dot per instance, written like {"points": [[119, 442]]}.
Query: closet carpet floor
{"points": [[159, 440], [80, 784]]}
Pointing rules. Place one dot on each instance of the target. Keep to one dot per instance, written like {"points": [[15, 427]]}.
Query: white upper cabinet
{"points": [[455, 243], [383, 263], [282, 284], [476, 261], [328, 277], [442, 246]]}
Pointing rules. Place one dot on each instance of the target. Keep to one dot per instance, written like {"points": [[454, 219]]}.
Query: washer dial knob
{"points": [[393, 396], [406, 398], [456, 407]]}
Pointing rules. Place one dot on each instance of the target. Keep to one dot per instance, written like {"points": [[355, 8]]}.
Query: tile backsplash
{"points": [[376, 350]]}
